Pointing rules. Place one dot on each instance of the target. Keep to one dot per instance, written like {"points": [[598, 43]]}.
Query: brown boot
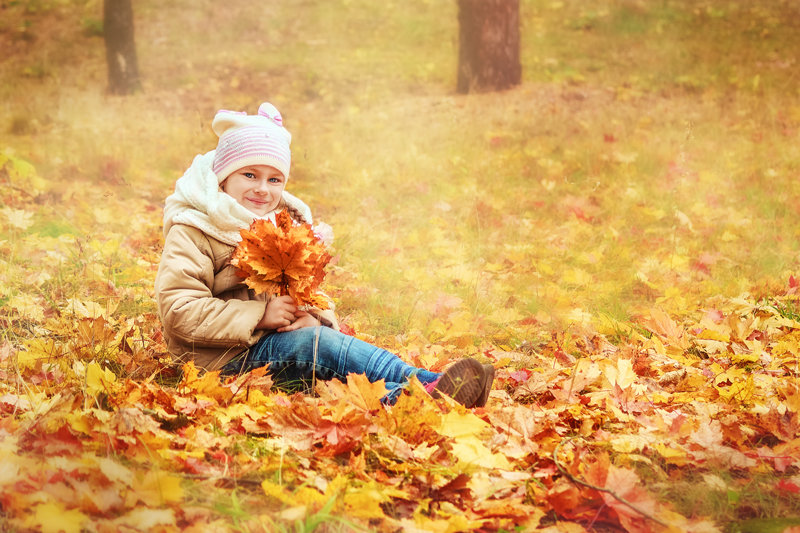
{"points": [[488, 374], [467, 381]]}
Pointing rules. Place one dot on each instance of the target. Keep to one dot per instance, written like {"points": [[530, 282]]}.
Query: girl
{"points": [[208, 313]]}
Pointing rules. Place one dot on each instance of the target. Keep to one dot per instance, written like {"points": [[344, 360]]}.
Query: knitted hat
{"points": [[246, 140]]}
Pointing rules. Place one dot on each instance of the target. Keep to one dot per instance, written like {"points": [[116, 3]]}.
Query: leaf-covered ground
{"points": [[618, 236]]}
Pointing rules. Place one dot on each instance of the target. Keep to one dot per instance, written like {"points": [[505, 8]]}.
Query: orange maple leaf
{"points": [[283, 258]]}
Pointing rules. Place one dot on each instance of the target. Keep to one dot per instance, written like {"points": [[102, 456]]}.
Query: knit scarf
{"points": [[198, 201]]}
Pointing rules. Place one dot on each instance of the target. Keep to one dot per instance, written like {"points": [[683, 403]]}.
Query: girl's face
{"points": [[258, 188]]}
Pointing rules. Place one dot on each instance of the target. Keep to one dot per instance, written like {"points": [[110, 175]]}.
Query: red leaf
{"points": [[580, 214], [791, 486], [715, 315], [520, 376], [701, 267], [564, 358], [347, 329], [193, 465]]}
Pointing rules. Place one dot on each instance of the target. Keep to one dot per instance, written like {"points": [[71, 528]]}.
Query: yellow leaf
{"points": [[620, 373], [115, 472], [579, 316], [739, 392], [577, 276], [671, 455], [26, 307], [628, 443], [494, 267], [105, 215], [304, 495], [21, 173], [745, 357], [38, 350], [157, 488], [89, 309], [18, 218], [787, 346], [144, 519], [450, 524], [791, 394], [470, 451], [731, 374], [680, 263], [505, 315], [52, 517], [108, 246], [461, 425], [563, 527], [98, 379], [625, 157], [292, 514], [467, 447], [79, 421], [641, 276], [365, 394], [460, 332], [9, 473], [207, 385], [235, 411], [715, 482], [365, 502], [712, 335]]}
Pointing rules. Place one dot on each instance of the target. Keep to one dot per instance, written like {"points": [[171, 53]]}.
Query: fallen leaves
{"points": [[695, 394], [95, 426]]}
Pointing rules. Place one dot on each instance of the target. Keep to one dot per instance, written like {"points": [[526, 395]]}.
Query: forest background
{"points": [[618, 235]]}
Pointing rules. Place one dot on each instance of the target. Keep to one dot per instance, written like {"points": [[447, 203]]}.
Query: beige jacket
{"points": [[208, 313]]}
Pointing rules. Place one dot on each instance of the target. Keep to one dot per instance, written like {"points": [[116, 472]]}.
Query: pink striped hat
{"points": [[246, 140]]}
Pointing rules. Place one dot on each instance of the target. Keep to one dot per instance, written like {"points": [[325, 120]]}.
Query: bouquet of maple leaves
{"points": [[283, 258]]}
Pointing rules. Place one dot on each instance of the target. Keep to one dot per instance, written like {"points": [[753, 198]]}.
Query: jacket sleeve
{"points": [[189, 311]]}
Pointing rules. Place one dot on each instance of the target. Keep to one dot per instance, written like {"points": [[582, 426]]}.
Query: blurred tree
{"points": [[123, 69], [488, 56]]}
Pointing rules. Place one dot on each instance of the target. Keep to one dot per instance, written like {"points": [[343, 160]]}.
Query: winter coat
{"points": [[209, 315]]}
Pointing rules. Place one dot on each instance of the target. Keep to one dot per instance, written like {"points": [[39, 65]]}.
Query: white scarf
{"points": [[198, 201]]}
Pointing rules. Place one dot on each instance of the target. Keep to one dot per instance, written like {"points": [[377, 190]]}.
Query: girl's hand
{"points": [[280, 313], [303, 320]]}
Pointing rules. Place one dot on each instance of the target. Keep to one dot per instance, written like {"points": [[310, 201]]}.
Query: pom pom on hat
{"points": [[246, 140]]}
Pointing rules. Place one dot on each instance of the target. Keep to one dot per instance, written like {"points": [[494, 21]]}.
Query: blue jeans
{"points": [[290, 357]]}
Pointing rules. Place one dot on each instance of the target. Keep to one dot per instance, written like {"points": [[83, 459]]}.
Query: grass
{"points": [[649, 159]]}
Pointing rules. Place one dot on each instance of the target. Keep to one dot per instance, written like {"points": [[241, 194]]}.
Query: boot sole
{"points": [[464, 381]]}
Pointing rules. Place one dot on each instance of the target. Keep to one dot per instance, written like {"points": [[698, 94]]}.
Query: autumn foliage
{"points": [[565, 437], [283, 258], [618, 237]]}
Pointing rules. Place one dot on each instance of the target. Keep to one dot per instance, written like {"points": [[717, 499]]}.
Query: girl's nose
{"points": [[261, 185]]}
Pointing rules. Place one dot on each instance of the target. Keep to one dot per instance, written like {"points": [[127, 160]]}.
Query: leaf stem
{"points": [[616, 496]]}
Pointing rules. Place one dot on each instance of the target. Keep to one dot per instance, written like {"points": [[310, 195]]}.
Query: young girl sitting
{"points": [[211, 317]]}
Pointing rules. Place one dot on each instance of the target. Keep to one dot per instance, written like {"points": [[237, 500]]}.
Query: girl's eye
{"points": [[273, 179], [249, 175]]}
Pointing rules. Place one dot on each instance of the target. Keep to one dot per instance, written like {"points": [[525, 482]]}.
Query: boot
{"points": [[467, 381], [488, 372]]}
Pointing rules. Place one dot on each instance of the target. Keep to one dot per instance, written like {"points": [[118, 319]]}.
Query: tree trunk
{"points": [[123, 70], [488, 56]]}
